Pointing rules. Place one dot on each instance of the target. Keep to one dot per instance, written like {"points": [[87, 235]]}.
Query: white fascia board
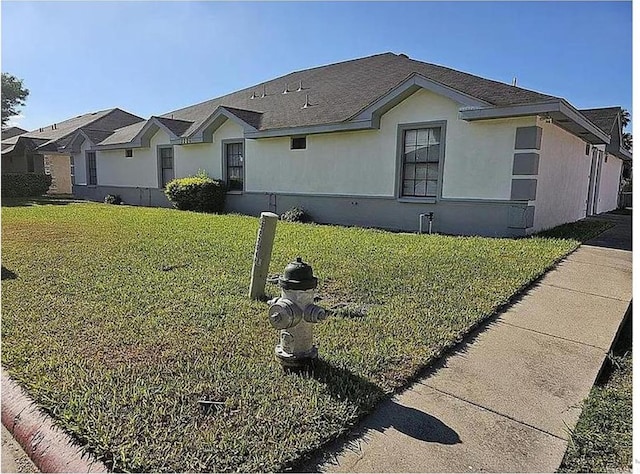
{"points": [[471, 114], [118, 146], [559, 106]]}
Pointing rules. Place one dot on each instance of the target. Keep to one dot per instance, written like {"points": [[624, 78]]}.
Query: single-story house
{"points": [[375, 141], [44, 150]]}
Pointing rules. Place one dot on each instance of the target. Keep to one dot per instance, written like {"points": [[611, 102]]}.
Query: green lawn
{"points": [[118, 320]]}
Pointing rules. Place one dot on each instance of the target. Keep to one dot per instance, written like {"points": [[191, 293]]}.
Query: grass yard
{"points": [[118, 320]]}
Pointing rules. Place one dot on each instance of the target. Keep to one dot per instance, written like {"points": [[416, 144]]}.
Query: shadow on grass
{"points": [[8, 274], [344, 385], [38, 201]]}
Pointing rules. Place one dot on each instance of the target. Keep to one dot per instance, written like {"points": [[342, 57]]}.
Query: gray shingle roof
{"points": [[101, 124], [178, 127], [124, 134], [109, 119], [604, 118], [12, 132], [338, 91]]}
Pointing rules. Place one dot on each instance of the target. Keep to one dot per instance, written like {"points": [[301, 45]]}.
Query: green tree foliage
{"points": [[14, 94], [627, 138]]}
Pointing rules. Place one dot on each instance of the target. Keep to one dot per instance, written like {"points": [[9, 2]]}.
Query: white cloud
{"points": [[15, 120]]}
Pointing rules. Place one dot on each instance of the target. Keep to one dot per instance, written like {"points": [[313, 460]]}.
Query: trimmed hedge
{"points": [[24, 184], [197, 193]]}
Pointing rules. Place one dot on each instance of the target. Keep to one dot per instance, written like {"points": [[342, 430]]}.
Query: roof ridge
{"points": [[457, 71], [275, 79], [170, 118], [603, 108]]}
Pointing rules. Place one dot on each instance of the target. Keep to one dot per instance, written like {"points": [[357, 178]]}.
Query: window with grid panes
{"points": [[166, 165], [92, 170], [421, 156], [235, 163]]}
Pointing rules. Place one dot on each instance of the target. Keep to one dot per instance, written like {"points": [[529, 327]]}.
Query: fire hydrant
{"points": [[294, 314]]}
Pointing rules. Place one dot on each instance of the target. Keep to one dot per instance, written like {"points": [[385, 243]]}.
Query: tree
{"points": [[627, 138], [14, 94]]}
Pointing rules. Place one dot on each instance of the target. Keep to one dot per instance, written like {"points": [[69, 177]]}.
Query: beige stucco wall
{"points": [[563, 178], [59, 167], [477, 163], [609, 185]]}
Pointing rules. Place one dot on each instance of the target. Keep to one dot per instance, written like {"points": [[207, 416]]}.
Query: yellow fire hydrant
{"points": [[294, 314]]}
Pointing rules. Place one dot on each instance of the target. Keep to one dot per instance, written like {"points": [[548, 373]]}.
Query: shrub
{"points": [[112, 199], [24, 184], [296, 214], [197, 193]]}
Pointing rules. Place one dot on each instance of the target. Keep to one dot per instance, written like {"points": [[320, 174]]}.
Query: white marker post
{"points": [[262, 255]]}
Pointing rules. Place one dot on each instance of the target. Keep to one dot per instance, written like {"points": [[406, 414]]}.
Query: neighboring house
{"points": [[44, 150], [375, 141], [12, 132]]}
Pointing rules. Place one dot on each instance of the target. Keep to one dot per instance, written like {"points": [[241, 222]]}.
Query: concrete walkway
{"points": [[14, 459], [505, 401]]}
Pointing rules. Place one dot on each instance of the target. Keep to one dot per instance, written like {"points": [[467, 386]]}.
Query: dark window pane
{"points": [[234, 164], [299, 143], [409, 171], [408, 187], [410, 137], [421, 154], [421, 188], [421, 171], [434, 152], [434, 135], [432, 187]]}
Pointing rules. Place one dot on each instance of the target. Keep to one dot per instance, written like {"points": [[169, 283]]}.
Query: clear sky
{"points": [[150, 58]]}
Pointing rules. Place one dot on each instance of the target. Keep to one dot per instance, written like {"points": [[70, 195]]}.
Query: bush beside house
{"points": [[197, 193], [24, 184]]}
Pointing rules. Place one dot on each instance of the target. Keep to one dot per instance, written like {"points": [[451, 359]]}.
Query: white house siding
{"points": [[609, 184], [114, 169], [477, 164], [563, 178]]}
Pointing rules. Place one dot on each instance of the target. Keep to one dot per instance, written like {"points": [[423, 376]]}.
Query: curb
{"points": [[50, 449]]}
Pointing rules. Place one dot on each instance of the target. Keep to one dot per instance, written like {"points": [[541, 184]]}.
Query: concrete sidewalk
{"points": [[14, 459], [505, 401]]}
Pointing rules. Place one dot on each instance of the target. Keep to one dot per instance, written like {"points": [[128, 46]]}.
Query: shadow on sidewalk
{"points": [[618, 237], [342, 384]]}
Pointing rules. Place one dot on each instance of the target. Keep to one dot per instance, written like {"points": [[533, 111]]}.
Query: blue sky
{"points": [[153, 57]]}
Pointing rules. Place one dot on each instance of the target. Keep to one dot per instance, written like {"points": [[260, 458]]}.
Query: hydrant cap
{"points": [[298, 276]]}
